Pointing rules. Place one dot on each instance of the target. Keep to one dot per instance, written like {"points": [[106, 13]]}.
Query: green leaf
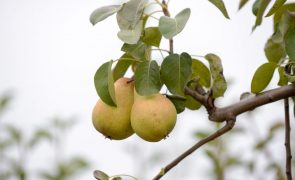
{"points": [[152, 36], [242, 3], [199, 70], [283, 79], [201, 134], [275, 7], [178, 103], [170, 27], [191, 103], [147, 78], [281, 11], [129, 15], [232, 161], [14, 133], [274, 51], [122, 66], [282, 26], [275, 127], [176, 71], [103, 12], [220, 5], [104, 83], [262, 77], [262, 7], [75, 164], [219, 85], [256, 6], [117, 178], [99, 175], [131, 36], [138, 51], [260, 145], [290, 42], [40, 134], [218, 167], [4, 101]]}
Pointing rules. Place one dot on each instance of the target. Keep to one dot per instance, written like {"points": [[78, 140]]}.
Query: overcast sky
{"points": [[49, 53]]}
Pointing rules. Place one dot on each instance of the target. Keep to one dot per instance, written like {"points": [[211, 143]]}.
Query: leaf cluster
{"points": [[176, 71]]}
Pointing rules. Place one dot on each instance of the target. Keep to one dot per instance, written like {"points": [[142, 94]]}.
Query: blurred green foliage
{"points": [[16, 149]]}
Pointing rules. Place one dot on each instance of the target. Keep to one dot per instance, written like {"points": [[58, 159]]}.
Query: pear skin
{"points": [[114, 122], [152, 117]]}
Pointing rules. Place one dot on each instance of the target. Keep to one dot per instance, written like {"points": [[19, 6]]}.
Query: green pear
{"points": [[114, 122], [152, 117]]}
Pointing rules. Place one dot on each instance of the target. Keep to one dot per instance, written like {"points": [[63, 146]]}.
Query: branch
{"points": [[228, 126], [221, 114], [287, 140], [167, 13]]}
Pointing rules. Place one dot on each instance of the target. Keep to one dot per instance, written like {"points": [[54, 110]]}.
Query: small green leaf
{"points": [[274, 51], [242, 3], [99, 175], [199, 70], [131, 36], [201, 134], [138, 51], [104, 83], [262, 77], [40, 134], [4, 101], [176, 71], [256, 6], [103, 12], [191, 103], [232, 161], [170, 27], [219, 85], [178, 103], [260, 145], [129, 15], [283, 79], [275, 7], [122, 66], [220, 5], [152, 36], [290, 42], [262, 7], [15, 133], [117, 178], [147, 78]]}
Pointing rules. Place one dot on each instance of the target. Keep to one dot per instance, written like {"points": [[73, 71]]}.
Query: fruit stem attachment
{"points": [[227, 127]]}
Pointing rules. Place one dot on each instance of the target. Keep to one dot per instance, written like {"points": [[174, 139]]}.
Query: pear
{"points": [[152, 117], [114, 122]]}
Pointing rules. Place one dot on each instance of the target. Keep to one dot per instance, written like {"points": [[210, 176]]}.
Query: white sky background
{"points": [[49, 53]]}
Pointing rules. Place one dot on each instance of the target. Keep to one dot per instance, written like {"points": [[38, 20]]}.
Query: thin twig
{"points": [[228, 126], [287, 140], [167, 13]]}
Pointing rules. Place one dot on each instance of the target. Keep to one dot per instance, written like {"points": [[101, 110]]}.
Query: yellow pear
{"points": [[114, 122], [152, 117]]}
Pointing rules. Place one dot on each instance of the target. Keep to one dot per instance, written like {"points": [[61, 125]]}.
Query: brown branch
{"points": [[196, 95], [228, 126], [220, 114], [287, 140]]}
